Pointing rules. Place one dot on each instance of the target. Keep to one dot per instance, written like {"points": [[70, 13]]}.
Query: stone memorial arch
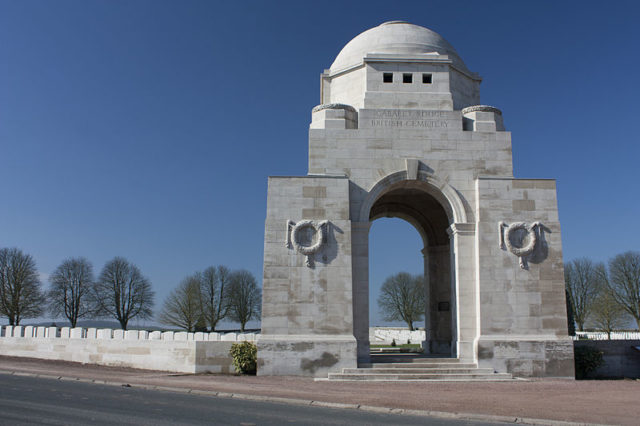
{"points": [[400, 132]]}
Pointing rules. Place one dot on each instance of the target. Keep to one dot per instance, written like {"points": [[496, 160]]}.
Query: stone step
{"points": [[413, 371], [426, 377], [417, 365]]}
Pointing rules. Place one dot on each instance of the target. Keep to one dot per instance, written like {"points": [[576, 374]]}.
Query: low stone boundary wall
{"points": [[168, 351], [621, 358], [600, 335], [385, 335]]}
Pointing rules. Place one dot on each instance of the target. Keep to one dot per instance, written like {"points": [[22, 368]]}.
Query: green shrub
{"points": [[245, 357], [587, 359]]}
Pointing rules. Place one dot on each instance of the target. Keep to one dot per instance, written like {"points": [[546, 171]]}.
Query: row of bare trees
{"points": [[203, 299], [120, 292], [605, 296]]}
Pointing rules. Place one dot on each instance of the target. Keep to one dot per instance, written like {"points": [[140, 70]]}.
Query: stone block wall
{"points": [[302, 293], [523, 323], [307, 298]]}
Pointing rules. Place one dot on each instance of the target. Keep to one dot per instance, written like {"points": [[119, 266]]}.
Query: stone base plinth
{"points": [[305, 355], [528, 356]]}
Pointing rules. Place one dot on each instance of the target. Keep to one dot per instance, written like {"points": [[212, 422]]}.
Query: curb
{"points": [[313, 403]]}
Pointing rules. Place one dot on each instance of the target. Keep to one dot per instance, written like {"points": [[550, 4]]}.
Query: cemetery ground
{"points": [[543, 401]]}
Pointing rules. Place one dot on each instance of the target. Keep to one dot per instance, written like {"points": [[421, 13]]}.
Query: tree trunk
{"points": [[410, 324], [123, 324]]}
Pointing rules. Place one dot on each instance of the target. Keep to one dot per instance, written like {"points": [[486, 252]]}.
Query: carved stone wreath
{"points": [[507, 240], [293, 231]]}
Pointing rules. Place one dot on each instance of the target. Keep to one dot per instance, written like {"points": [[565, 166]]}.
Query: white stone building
{"points": [[400, 132]]}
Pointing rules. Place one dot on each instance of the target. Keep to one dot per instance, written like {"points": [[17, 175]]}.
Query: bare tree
{"points": [[571, 322], [71, 292], [624, 282], [183, 307], [123, 292], [402, 298], [20, 288], [607, 314], [582, 280], [215, 289], [245, 297]]}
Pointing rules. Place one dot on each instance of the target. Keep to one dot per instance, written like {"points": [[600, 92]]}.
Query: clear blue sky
{"points": [[147, 129]]}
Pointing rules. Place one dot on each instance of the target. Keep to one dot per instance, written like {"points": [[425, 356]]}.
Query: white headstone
{"points": [[229, 337], [76, 333], [131, 335], [181, 335], [104, 333]]}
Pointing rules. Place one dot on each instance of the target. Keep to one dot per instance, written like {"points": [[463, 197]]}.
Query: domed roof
{"points": [[396, 37]]}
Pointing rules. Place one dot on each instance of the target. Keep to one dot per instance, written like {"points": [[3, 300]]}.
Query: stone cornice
{"points": [[401, 58]]}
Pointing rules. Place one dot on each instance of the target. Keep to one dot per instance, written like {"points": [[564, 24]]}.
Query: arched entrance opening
{"points": [[394, 246], [409, 201], [426, 207]]}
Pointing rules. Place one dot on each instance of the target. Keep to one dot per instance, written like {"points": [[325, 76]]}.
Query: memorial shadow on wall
{"points": [[330, 249], [541, 249]]}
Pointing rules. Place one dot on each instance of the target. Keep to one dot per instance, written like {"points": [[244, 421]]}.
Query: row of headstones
{"points": [[108, 333], [388, 334], [601, 335]]}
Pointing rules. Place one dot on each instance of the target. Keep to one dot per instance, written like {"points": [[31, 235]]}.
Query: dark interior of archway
{"points": [[417, 207]]}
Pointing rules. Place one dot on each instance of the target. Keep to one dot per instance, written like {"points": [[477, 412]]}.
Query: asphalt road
{"points": [[37, 401]]}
